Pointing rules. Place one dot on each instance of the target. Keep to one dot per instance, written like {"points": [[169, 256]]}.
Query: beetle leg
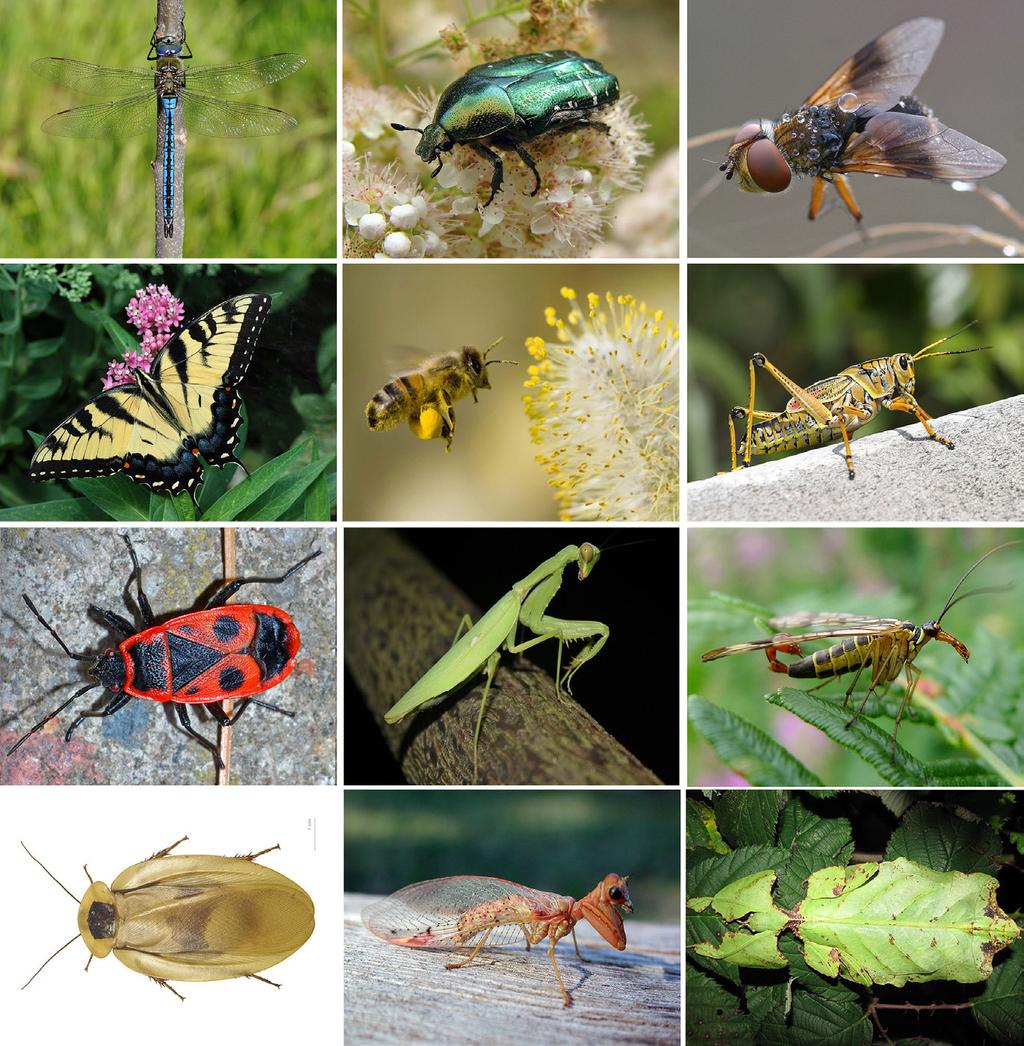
{"points": [[115, 621], [499, 171], [205, 742], [167, 849], [257, 977], [528, 160], [164, 984], [223, 595], [115, 704], [216, 709], [147, 610], [259, 853]]}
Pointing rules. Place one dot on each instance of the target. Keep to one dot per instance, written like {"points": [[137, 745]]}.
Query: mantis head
{"points": [[600, 908], [586, 557]]}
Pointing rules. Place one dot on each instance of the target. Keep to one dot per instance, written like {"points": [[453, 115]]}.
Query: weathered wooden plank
{"points": [[509, 995]]}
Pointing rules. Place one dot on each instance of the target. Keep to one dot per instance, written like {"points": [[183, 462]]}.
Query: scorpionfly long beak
{"points": [[943, 636]]}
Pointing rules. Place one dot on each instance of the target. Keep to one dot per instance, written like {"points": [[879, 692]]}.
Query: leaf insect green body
{"points": [[480, 648]]}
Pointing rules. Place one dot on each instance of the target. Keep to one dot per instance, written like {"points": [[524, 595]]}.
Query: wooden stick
{"points": [[224, 732]]}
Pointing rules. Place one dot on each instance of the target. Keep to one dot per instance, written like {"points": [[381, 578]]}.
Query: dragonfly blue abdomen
{"points": [[173, 86]]}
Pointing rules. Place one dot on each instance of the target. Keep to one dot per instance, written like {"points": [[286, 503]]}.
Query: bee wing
{"points": [[885, 69], [856, 627], [905, 146]]}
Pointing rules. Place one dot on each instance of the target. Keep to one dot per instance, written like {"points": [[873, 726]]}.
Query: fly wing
{"points": [[905, 146], [885, 69], [833, 626], [427, 914]]}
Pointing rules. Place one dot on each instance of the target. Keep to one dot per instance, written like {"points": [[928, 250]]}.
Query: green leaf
{"points": [[814, 842], [746, 749], [702, 828], [715, 1015], [64, 510], [937, 838], [1000, 1007], [828, 1014], [116, 496], [239, 498], [748, 818], [874, 746], [286, 493]]}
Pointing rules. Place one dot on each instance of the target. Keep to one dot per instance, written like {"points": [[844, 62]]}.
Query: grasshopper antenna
{"points": [[950, 352]]}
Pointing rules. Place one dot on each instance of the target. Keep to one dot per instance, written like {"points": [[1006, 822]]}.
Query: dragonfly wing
{"points": [[93, 79], [427, 914], [120, 119], [221, 119], [243, 76], [905, 146], [881, 72]]}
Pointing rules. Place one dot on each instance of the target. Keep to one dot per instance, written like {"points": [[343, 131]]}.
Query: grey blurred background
{"points": [[748, 59]]}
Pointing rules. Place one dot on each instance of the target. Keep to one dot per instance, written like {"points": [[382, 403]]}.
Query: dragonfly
{"points": [[166, 82], [461, 911]]}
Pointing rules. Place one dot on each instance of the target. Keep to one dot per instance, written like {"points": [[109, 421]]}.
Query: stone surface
{"points": [[901, 475]]}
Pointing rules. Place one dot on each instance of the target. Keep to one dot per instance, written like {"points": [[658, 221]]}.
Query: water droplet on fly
{"points": [[848, 102], [813, 155], [962, 186], [1010, 251]]}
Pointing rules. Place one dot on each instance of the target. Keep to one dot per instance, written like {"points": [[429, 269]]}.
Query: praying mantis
{"points": [[481, 647]]}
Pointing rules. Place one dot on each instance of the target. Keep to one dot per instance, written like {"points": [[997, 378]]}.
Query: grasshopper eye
{"points": [[615, 893], [904, 361], [767, 166]]}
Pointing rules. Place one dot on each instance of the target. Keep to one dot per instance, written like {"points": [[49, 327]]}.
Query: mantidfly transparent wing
{"points": [[460, 911], [525, 604]]}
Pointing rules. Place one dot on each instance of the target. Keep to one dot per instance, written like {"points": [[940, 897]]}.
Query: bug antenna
{"points": [[55, 954], [402, 127], [57, 711], [980, 592], [956, 352], [991, 552], [948, 337], [49, 628], [54, 878]]}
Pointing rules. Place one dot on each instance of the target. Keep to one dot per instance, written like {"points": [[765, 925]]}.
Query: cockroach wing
{"points": [[903, 146], [204, 918], [881, 72], [432, 914]]}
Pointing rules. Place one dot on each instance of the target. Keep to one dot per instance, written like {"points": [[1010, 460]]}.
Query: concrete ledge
{"points": [[901, 475]]}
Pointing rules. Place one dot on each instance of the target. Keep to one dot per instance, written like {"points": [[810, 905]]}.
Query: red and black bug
{"points": [[201, 658]]}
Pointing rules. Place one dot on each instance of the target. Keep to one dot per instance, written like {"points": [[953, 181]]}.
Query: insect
{"points": [[133, 114], [155, 429], [424, 397], [200, 658], [458, 910], [886, 646], [862, 118], [193, 918], [835, 407], [480, 648], [506, 103]]}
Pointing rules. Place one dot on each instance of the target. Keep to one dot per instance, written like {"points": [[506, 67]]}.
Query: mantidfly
{"points": [[885, 644], [460, 911], [836, 406], [480, 648]]}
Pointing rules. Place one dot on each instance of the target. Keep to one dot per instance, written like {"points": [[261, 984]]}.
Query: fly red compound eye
{"points": [[767, 166], [204, 657]]}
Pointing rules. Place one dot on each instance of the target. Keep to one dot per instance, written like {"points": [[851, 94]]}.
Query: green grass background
{"points": [[248, 197]]}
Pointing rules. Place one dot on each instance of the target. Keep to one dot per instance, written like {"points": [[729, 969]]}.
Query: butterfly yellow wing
{"points": [[155, 429]]}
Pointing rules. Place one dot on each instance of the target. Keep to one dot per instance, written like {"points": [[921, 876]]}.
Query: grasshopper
{"points": [[836, 406], [882, 646]]}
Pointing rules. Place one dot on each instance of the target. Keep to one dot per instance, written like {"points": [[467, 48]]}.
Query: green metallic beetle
{"points": [[512, 101]]}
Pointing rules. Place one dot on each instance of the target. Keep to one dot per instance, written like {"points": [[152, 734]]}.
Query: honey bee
{"points": [[864, 117], [424, 397]]}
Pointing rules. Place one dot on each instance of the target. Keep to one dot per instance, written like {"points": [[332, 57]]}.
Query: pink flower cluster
{"points": [[154, 312]]}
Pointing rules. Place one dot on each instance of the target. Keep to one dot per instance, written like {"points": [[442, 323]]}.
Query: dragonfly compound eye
{"points": [[767, 166]]}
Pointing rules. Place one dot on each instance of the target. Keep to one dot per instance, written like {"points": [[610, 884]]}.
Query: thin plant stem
{"points": [[712, 136], [960, 233], [501, 12]]}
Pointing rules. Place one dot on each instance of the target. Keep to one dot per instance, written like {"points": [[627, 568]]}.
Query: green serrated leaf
{"points": [[746, 749], [1000, 1007], [714, 1016], [702, 828], [933, 836], [873, 745], [748, 818]]}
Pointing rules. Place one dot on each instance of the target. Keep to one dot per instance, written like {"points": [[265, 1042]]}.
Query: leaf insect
{"points": [[192, 917], [862, 118], [885, 645], [480, 648]]}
